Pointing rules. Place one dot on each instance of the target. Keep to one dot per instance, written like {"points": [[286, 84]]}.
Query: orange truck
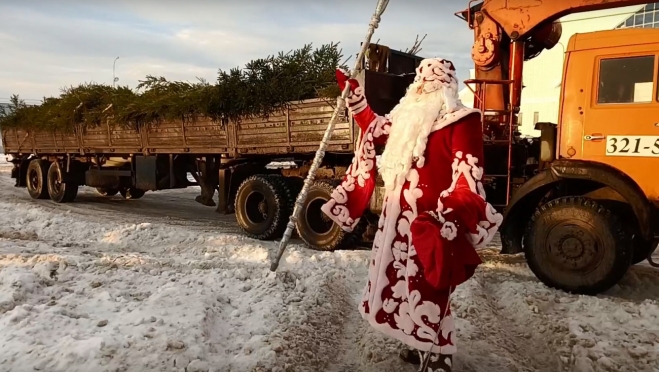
{"points": [[589, 211]]}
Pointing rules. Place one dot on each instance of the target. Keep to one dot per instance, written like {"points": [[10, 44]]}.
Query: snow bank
{"points": [[90, 293], [117, 315], [82, 295]]}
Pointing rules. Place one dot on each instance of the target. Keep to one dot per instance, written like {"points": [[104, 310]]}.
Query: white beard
{"points": [[411, 122]]}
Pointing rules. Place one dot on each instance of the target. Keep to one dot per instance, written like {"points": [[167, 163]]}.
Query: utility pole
{"points": [[114, 78]]}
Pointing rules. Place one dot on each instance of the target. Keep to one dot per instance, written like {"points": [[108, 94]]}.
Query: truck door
{"points": [[621, 127]]}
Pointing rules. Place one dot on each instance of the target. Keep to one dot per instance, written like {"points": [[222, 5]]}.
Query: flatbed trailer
{"points": [[296, 130], [257, 166]]}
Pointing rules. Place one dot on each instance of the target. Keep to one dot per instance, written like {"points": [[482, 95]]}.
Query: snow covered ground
{"points": [[165, 284]]}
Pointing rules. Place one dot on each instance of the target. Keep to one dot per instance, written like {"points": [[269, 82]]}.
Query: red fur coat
{"points": [[428, 230]]}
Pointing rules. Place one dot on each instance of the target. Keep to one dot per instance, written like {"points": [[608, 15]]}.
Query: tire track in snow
{"points": [[489, 337], [173, 207], [363, 349], [500, 333]]}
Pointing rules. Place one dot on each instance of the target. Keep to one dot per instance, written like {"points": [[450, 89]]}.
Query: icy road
{"points": [[164, 284]]}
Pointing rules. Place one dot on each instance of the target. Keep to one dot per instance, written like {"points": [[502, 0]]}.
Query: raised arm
{"points": [[352, 197], [358, 106]]}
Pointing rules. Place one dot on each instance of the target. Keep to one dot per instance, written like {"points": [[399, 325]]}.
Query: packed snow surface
{"points": [[164, 284]]}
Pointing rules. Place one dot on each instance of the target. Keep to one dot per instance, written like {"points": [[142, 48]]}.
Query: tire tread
{"points": [[617, 229], [284, 207], [70, 189], [43, 166]]}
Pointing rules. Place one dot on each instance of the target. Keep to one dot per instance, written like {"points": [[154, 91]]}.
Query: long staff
{"points": [[340, 106]]}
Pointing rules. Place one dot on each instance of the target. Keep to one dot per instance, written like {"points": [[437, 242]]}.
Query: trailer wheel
{"points": [[36, 179], [577, 245], [107, 191], [132, 193], [263, 206], [316, 229], [60, 191]]}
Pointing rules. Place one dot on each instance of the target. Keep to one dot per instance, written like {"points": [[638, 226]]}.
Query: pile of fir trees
{"points": [[262, 87]]}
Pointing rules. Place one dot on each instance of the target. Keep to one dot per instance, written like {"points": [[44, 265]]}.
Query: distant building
{"points": [[645, 17], [543, 74]]}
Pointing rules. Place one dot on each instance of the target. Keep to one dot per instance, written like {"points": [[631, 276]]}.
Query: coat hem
{"points": [[407, 339]]}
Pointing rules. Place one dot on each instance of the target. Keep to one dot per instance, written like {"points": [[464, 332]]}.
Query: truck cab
{"points": [[609, 108], [592, 206]]}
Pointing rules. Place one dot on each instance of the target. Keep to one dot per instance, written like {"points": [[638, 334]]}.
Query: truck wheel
{"points": [[577, 245], [60, 192], [36, 179], [316, 229], [263, 206], [107, 191], [131, 193]]}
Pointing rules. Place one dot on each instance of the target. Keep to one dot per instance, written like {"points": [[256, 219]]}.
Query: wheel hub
{"points": [[318, 221], [572, 246], [34, 179], [263, 208], [256, 208], [57, 183]]}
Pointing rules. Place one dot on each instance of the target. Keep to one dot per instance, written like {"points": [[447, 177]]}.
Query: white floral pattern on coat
{"points": [[467, 166], [412, 315], [358, 172]]}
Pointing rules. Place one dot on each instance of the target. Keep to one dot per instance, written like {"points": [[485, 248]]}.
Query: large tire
{"points": [[59, 191], [263, 206], [625, 213], [577, 245], [36, 179], [316, 229], [107, 191], [131, 193]]}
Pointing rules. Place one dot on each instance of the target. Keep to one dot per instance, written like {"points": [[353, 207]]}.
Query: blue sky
{"points": [[45, 45]]}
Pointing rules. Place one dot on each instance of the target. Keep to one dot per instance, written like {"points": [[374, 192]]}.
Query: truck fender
{"points": [[529, 195], [616, 180]]}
